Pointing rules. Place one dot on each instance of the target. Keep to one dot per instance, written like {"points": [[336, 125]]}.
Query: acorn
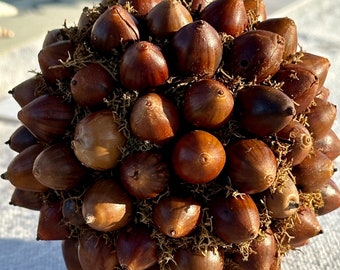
{"points": [[187, 45], [330, 193], [69, 248], [47, 117], [323, 93], [228, 16], [256, 7], [251, 165], [112, 28], [197, 6], [167, 17], [142, 7], [198, 157], [32, 200], [154, 118], [235, 219], [72, 211], [208, 104], [263, 110], [251, 48], [107, 206], [176, 217], [20, 139], [329, 144], [98, 141]]}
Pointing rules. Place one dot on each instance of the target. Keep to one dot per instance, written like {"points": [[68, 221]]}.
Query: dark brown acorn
{"points": [[198, 157], [257, 7], [264, 110], [228, 16], [136, 249], [321, 117], [107, 206], [187, 259], [196, 6], [208, 104], [53, 36], [263, 254], [285, 27], [235, 219], [299, 139], [69, 248], [28, 90], [50, 225], [21, 139], [187, 47], [113, 28], [313, 172], [144, 174], [323, 93], [154, 118], [98, 141], [19, 171], [254, 47], [32, 200], [330, 193], [176, 217], [52, 58], [251, 165], [299, 83], [72, 211], [167, 17], [329, 144], [91, 84], [142, 7], [47, 117], [143, 67], [58, 168], [96, 253]]}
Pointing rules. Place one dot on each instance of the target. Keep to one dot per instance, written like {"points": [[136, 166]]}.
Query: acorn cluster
{"points": [[168, 134]]}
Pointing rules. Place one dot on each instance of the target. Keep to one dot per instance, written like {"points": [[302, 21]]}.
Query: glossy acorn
{"points": [[228, 16], [328, 144], [198, 157], [251, 165], [114, 27], [69, 248], [330, 193], [235, 219], [32, 200], [154, 118], [20, 139], [72, 211], [257, 7], [187, 45], [254, 47], [198, 5], [142, 7], [263, 110], [176, 217]]}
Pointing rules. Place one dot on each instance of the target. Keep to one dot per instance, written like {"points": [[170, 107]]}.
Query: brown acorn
{"points": [[113, 27], [330, 193], [167, 17], [51, 60], [323, 93], [143, 67], [32, 200], [257, 7], [328, 144], [299, 83], [95, 252], [284, 201], [313, 172], [142, 7], [19, 171], [154, 118], [47, 117], [197, 6], [208, 104], [20, 139], [321, 117], [97, 140], [299, 139], [198, 157], [91, 84], [50, 225], [264, 110], [136, 249], [107, 206], [187, 259], [72, 211], [235, 219], [228, 16], [176, 217], [144, 174], [263, 254], [69, 248], [251, 165], [187, 46], [27, 90], [53, 36], [254, 47], [285, 27]]}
